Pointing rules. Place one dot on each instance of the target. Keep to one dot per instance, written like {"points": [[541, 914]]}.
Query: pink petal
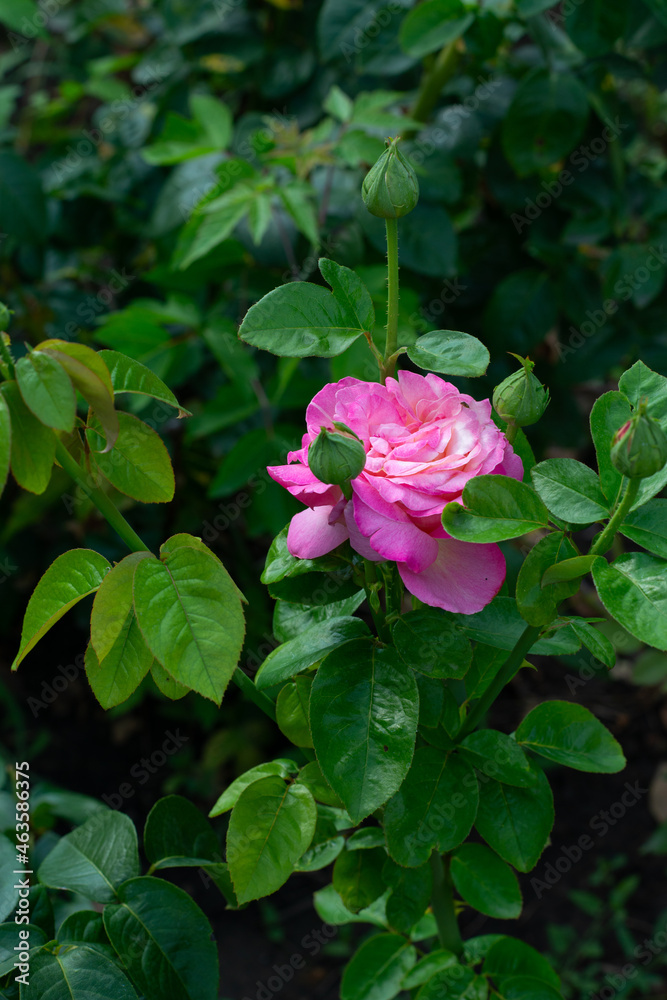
{"points": [[464, 578], [511, 465], [357, 540], [395, 538], [321, 410], [303, 485], [310, 535]]}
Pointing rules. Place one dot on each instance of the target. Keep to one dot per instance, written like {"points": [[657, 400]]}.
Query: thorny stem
{"points": [[392, 297], [113, 516], [106, 507], [442, 904], [604, 541], [528, 638]]}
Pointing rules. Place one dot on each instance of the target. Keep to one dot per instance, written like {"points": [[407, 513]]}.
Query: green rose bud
{"points": [[336, 458], [390, 188], [521, 399], [639, 447]]}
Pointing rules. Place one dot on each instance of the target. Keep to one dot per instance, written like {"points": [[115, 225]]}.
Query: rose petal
{"points": [[357, 540], [310, 535], [464, 578], [303, 485], [395, 538]]}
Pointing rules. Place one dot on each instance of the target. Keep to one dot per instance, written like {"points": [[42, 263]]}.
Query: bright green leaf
{"points": [[214, 117], [350, 293], [95, 858], [76, 973], [138, 464], [128, 375], [177, 833], [292, 711], [282, 768], [516, 822], [448, 351], [357, 877], [508, 957], [299, 320], [428, 641], [498, 756], [305, 650], [632, 589], [432, 25], [47, 390], [148, 928], [378, 968], [595, 641], [33, 446], [647, 526], [569, 734], [271, 826], [190, 615], [363, 717], [570, 490], [486, 882], [538, 604], [435, 807], [610, 411], [69, 578], [495, 508]]}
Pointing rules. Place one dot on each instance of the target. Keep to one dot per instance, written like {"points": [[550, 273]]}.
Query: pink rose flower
{"points": [[424, 440]]}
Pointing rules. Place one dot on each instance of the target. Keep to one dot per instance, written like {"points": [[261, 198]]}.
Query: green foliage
{"points": [[539, 230], [363, 717]]}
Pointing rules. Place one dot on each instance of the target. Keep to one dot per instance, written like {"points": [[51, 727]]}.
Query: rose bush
{"points": [[424, 441]]}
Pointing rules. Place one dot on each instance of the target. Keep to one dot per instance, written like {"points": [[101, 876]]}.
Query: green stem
{"points": [[373, 598], [106, 507], [604, 541], [528, 638], [391, 343], [511, 432], [442, 904], [434, 80], [260, 699], [114, 517]]}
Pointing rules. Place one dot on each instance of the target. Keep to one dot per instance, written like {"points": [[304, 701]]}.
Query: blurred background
{"points": [[539, 135]]}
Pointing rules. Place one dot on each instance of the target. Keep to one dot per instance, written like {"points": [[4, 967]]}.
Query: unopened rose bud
{"points": [[335, 458], [639, 447], [521, 399], [390, 188]]}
